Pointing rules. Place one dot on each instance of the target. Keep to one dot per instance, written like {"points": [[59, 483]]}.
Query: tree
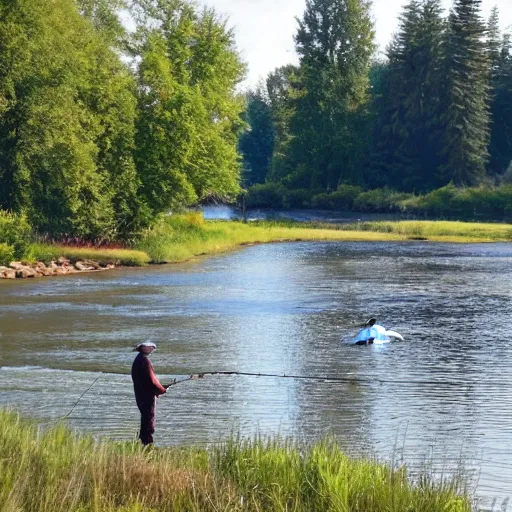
{"points": [[257, 143], [281, 89], [500, 54], [467, 108], [51, 159], [410, 120], [335, 42], [67, 135], [189, 114]]}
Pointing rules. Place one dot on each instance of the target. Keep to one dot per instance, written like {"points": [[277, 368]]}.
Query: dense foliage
{"points": [[102, 130], [437, 110], [99, 129]]}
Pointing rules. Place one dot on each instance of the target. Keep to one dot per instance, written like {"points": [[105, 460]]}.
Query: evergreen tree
{"points": [[257, 143], [501, 134], [411, 126], [281, 88], [467, 109], [335, 42], [494, 42]]}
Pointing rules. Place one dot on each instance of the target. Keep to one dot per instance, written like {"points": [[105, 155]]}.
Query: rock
{"points": [[40, 265], [16, 265], [63, 261], [79, 265], [25, 272], [9, 274], [53, 265], [60, 271], [93, 265]]}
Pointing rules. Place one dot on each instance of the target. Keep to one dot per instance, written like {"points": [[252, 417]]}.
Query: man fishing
{"points": [[147, 389]]}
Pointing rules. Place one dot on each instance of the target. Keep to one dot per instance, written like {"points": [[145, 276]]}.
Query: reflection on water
{"points": [[441, 396]]}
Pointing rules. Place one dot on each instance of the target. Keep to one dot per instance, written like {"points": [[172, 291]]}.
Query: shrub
{"points": [[322, 201], [298, 198], [438, 203], [6, 254], [343, 198], [16, 232], [379, 200], [266, 195]]}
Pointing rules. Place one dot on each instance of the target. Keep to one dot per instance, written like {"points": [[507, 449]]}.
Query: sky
{"points": [[264, 28]]}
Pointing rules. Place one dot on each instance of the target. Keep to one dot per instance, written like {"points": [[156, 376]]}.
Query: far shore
{"points": [[181, 238]]}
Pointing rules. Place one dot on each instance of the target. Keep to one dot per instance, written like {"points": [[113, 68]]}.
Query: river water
{"points": [[442, 398]]}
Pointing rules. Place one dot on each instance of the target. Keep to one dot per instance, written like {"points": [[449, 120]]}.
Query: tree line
{"points": [[102, 128], [437, 110]]}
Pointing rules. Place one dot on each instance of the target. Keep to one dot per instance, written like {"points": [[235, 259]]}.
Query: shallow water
{"points": [[442, 397]]}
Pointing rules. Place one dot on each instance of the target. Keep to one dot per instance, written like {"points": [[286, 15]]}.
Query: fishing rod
{"points": [[352, 380]]}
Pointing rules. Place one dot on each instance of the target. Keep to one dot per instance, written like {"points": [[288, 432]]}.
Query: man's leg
{"points": [[147, 422]]}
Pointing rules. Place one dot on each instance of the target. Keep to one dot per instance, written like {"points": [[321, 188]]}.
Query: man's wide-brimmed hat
{"points": [[144, 344]]}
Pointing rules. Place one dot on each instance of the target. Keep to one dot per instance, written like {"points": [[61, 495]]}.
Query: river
{"points": [[441, 398]]}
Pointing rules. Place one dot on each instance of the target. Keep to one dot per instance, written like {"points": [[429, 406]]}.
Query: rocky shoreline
{"points": [[60, 267]]}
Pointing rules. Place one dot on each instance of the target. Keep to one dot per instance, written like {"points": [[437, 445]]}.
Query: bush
{"points": [[322, 201], [298, 198], [6, 254], [266, 195], [380, 200], [345, 196], [467, 204], [16, 232]]}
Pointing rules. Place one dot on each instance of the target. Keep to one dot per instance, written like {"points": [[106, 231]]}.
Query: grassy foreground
{"points": [[58, 471], [181, 237]]}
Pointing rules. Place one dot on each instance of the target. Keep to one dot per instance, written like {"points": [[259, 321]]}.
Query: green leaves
{"points": [[335, 45], [93, 147], [189, 114]]}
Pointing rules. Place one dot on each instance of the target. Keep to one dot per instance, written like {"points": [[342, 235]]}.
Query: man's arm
{"points": [[158, 389], [151, 379]]}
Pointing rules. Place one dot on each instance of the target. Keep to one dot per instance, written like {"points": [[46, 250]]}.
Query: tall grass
{"points": [[58, 471], [127, 257], [440, 230], [178, 238], [181, 237]]}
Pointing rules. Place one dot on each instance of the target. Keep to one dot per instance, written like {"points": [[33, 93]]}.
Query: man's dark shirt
{"points": [[145, 382]]}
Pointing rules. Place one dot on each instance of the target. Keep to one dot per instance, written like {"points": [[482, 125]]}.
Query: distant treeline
{"points": [[436, 111], [100, 129]]}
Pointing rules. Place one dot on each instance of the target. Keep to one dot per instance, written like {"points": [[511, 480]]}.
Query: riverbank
{"points": [[58, 470], [179, 238], [183, 237]]}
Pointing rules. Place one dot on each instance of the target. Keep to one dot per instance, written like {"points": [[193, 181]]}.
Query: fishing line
{"points": [[80, 398], [353, 380], [317, 378]]}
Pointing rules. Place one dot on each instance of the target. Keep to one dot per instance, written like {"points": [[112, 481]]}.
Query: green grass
{"points": [[55, 470], [440, 230], [128, 257], [178, 238], [181, 237]]}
